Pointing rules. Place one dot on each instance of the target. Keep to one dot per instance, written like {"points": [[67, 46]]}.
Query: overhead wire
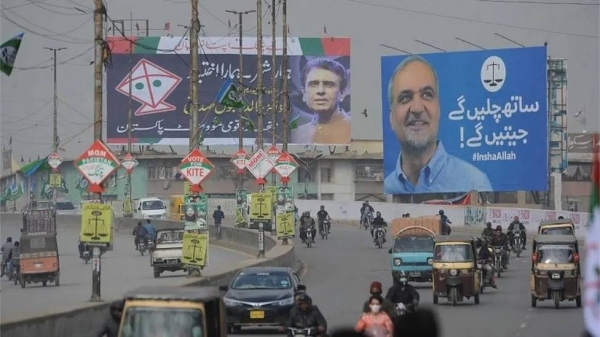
{"points": [[530, 2], [38, 66], [28, 116], [39, 4], [63, 34], [412, 11], [50, 37]]}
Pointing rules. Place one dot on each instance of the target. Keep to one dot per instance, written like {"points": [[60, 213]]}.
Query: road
{"points": [[122, 269], [340, 270]]}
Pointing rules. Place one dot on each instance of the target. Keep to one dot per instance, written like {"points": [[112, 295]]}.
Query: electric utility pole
{"points": [[284, 74], [259, 70], [273, 81], [193, 110], [55, 115], [241, 125], [98, 63]]}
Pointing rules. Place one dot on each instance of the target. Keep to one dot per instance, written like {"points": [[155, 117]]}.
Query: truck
{"points": [[412, 251], [39, 221]]}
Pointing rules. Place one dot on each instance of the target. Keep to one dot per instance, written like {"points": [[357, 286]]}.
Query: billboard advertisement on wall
{"points": [[462, 121], [319, 90]]}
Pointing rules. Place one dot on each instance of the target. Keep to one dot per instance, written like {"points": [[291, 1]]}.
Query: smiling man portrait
{"points": [[423, 165], [324, 86]]}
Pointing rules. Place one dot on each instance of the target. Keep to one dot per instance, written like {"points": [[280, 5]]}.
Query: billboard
{"points": [[462, 121], [319, 90], [583, 142]]}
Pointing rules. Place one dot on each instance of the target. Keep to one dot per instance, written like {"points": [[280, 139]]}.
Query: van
{"points": [[176, 208], [150, 208]]}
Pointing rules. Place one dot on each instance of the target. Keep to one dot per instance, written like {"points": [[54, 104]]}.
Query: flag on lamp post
{"points": [[8, 53]]}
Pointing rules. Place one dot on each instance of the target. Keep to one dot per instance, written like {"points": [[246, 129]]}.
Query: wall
{"points": [[342, 174]]}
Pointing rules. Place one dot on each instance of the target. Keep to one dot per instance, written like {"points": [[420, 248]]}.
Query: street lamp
{"points": [[306, 165]]}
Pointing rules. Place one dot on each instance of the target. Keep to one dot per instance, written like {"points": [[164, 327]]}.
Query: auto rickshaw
{"points": [[173, 311], [39, 259], [555, 271], [557, 227], [455, 271]]}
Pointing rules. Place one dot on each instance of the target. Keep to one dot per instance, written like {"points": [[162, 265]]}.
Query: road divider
{"points": [[88, 319]]}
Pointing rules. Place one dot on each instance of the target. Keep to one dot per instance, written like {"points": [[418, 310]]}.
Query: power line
{"points": [[528, 2], [28, 116], [37, 67], [65, 34], [401, 9], [51, 37], [39, 5]]}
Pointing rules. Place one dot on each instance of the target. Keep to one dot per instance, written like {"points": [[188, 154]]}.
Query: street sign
{"points": [[285, 166], [195, 168], [55, 180], [195, 249], [96, 224], [96, 164], [261, 206], [240, 160], [129, 163], [260, 165], [54, 160], [273, 153], [285, 225]]}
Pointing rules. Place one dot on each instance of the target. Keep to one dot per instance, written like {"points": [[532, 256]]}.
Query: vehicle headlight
{"points": [[230, 303], [397, 262], [287, 301], [555, 276], [430, 261], [453, 272]]}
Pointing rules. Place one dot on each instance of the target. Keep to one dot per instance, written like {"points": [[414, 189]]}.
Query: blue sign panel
{"points": [[463, 121]]}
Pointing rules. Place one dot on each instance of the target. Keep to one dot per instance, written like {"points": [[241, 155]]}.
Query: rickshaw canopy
{"points": [[189, 294], [38, 243]]}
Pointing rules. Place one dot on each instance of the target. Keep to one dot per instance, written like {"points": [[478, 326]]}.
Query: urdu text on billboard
{"points": [[319, 90], [462, 121]]}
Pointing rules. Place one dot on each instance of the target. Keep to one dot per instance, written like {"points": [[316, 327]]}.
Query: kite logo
{"points": [[150, 85]]}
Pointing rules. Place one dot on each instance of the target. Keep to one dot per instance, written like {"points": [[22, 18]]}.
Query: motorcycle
{"points": [[379, 234], [367, 220], [142, 247], [308, 235], [303, 332], [151, 245], [86, 255], [325, 232], [403, 309], [16, 267], [484, 282], [498, 253], [518, 242]]}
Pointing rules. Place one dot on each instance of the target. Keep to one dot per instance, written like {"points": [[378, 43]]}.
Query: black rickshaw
{"points": [[555, 270]]}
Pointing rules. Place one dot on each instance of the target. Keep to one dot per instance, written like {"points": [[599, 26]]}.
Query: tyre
{"points": [[44, 283], [556, 295], [578, 301], [476, 297], [435, 299], [57, 280], [22, 281], [156, 273], [533, 301], [454, 296]]}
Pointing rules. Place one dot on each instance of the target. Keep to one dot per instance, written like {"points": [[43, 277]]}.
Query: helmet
{"points": [[441, 212], [499, 228], [376, 285], [403, 280], [9, 239], [304, 299], [306, 213], [489, 224], [219, 207], [378, 213]]}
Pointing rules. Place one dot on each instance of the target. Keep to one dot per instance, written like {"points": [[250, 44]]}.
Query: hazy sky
{"points": [[570, 27]]}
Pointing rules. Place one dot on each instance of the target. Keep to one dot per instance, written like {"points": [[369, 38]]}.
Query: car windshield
{"points": [[174, 236], [558, 231], [65, 206], [152, 205], [555, 254], [162, 322], [413, 244], [453, 253], [266, 280]]}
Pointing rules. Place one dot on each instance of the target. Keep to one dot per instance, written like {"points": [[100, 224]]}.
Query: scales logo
{"points": [[151, 85], [493, 74]]}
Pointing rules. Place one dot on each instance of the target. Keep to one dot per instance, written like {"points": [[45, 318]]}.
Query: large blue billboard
{"points": [[463, 121]]}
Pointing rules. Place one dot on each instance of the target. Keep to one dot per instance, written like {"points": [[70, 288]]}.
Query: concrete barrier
{"points": [[88, 319]]}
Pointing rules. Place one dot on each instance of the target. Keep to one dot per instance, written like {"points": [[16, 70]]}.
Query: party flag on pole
{"points": [[8, 53]]}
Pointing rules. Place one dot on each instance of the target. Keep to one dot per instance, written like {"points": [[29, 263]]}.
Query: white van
{"points": [[150, 208]]}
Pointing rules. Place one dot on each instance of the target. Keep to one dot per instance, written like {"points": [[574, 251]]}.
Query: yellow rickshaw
{"points": [[176, 208], [173, 311], [455, 271], [555, 271], [557, 227]]}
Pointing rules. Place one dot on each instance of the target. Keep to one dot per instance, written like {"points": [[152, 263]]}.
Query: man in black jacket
{"points": [[305, 315], [322, 215], [485, 256], [402, 292], [111, 325], [517, 224]]}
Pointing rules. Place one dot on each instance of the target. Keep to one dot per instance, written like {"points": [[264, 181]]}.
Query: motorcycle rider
{"points": [[488, 231], [307, 223], [402, 292], [500, 239], [304, 315], [150, 229], [485, 256], [140, 234], [446, 230], [379, 222], [6, 249], [13, 258], [111, 325], [323, 215], [387, 305], [364, 210], [518, 224]]}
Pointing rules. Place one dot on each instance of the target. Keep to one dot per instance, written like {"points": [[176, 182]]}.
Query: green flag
{"points": [[293, 124], [8, 53], [229, 96]]}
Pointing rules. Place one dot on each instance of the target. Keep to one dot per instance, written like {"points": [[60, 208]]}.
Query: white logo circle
{"points": [[493, 74]]}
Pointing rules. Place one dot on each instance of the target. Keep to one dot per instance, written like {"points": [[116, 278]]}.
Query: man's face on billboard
{"points": [[322, 92], [415, 108]]}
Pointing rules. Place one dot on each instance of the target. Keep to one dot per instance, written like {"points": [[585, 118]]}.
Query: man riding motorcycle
{"points": [[488, 231], [514, 225], [500, 239], [321, 216], [379, 222], [307, 223], [6, 249], [387, 306], [446, 230], [364, 210], [485, 256], [150, 229], [305, 316], [141, 234], [402, 292]]}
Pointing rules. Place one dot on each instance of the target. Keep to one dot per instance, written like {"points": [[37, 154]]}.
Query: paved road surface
{"points": [[122, 269], [341, 269]]}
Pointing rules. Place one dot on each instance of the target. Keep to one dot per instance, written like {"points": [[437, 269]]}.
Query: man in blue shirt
{"points": [[423, 165], [150, 229]]}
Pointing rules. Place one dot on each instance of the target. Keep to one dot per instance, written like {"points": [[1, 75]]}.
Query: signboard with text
{"points": [[477, 118]]}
